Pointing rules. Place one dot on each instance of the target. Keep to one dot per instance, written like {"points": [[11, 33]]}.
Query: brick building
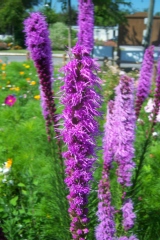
{"points": [[132, 32]]}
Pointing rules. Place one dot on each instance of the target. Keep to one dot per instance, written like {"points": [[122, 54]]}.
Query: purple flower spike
{"points": [[39, 45], [86, 24], [132, 237], [157, 94], [106, 228], [124, 129], [81, 103], [128, 215], [144, 82]]}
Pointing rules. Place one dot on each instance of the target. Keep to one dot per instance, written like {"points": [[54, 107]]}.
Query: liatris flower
{"points": [[124, 129], [81, 103], [128, 215], [86, 24], [132, 237], [106, 228], [10, 100], [157, 94], [39, 45], [144, 82]]}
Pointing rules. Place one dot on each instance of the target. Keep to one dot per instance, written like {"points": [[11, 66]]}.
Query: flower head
{"points": [[124, 129], [128, 215], [144, 82], [39, 45], [106, 227], [10, 100], [81, 103], [86, 24]]}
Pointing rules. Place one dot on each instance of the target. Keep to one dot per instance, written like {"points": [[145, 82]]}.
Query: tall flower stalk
{"points": [[81, 103], [125, 122], [39, 45], [156, 107], [86, 24], [106, 228], [124, 134], [144, 82]]}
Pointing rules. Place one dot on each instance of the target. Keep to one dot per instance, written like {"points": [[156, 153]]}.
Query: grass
{"points": [[32, 204]]}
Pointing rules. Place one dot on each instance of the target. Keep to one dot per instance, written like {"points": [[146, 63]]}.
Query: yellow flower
{"points": [[4, 64], [16, 88], [21, 73], [27, 66], [28, 79], [33, 83], [3, 68], [8, 163], [12, 88], [37, 97]]}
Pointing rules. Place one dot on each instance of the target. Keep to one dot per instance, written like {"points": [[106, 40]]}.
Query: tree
{"points": [[157, 14], [60, 31], [51, 15], [107, 12], [12, 14], [64, 16]]}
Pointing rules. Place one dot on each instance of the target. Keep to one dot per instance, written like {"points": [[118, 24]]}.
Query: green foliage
{"points": [[32, 192], [60, 31], [12, 14], [108, 13], [51, 15]]}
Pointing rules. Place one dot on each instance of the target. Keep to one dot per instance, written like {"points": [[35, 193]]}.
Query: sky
{"points": [[139, 5]]}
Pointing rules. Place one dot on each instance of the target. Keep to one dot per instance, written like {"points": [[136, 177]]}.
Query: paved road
{"points": [[58, 59]]}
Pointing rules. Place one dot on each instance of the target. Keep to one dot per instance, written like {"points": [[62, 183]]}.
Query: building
{"points": [[132, 33], [103, 33]]}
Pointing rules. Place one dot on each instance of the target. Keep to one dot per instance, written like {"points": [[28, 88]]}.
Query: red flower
{"points": [[10, 100]]}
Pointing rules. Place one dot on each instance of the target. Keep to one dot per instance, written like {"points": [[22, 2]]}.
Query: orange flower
{"points": [[9, 163], [37, 97], [21, 73], [28, 79]]}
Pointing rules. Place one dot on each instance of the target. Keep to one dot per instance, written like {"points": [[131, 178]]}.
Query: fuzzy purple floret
{"points": [[106, 228], [128, 215], [86, 24], [81, 103], [157, 93], [39, 46], [124, 129], [133, 237], [144, 82]]}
